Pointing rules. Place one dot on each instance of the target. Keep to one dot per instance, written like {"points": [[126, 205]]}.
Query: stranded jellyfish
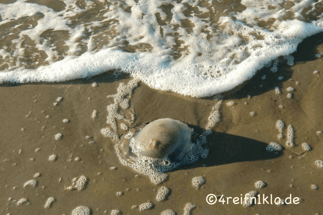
{"points": [[160, 146]]}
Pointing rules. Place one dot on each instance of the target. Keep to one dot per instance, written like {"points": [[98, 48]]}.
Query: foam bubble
{"points": [[78, 183], [214, 116], [314, 187], [252, 113], [38, 174], [162, 193], [52, 157], [23, 201], [290, 136], [146, 206], [116, 212], [290, 89], [94, 114], [319, 163], [306, 147], [81, 210], [260, 184], [49, 202], [188, 208], [230, 103], [274, 147], [249, 198], [58, 136], [168, 212], [31, 183], [280, 125], [198, 181]]}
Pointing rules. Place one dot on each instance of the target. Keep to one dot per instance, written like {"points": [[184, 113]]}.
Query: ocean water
{"points": [[195, 48]]}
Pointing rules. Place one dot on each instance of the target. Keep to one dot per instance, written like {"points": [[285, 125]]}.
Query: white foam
{"points": [[215, 55], [162, 193], [290, 136], [49, 202]]}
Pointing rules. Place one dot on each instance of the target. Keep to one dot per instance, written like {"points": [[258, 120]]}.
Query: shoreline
{"points": [[236, 160]]}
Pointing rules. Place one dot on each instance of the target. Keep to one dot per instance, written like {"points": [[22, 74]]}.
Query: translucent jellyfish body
{"points": [[160, 146]]}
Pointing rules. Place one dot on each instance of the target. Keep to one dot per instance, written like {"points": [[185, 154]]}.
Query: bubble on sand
{"points": [[49, 202], [116, 212], [123, 126], [274, 147], [252, 113], [81, 210], [289, 95], [314, 187], [58, 136], [23, 201], [52, 157], [146, 206], [58, 99], [94, 84], [66, 120], [319, 163], [260, 184], [107, 132], [78, 183], [290, 89], [168, 212], [316, 72], [214, 116], [230, 103], [37, 175], [31, 183], [306, 147], [162, 193], [290, 136], [94, 114], [160, 146], [277, 90], [119, 193], [198, 181], [249, 198], [188, 208], [280, 125], [319, 132]]}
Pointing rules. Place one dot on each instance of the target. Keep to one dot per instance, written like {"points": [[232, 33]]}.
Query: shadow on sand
{"points": [[227, 148]]}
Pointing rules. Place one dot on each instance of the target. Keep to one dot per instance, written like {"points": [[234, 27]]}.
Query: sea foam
{"points": [[196, 54]]}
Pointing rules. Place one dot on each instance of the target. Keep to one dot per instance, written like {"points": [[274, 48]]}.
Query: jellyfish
{"points": [[160, 146]]}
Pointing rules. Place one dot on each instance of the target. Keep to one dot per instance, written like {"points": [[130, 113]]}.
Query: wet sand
{"points": [[237, 159]]}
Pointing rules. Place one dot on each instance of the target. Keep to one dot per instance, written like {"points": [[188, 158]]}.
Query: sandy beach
{"points": [[238, 156]]}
